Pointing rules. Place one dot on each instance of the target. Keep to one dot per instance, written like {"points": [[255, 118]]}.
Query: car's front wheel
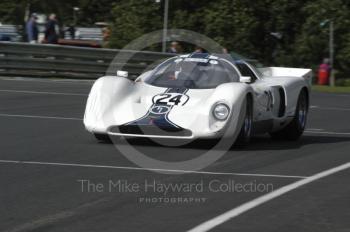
{"points": [[102, 137], [246, 131], [296, 127]]}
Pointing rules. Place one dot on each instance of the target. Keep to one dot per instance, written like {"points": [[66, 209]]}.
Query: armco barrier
{"points": [[37, 60]]}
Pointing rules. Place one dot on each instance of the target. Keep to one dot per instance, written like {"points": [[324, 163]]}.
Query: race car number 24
{"points": [[170, 99]]}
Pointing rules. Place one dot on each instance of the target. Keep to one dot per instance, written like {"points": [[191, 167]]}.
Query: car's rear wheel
{"points": [[102, 137], [296, 127], [246, 131]]}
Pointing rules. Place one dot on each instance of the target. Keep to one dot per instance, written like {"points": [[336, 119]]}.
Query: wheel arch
{"points": [[306, 90], [249, 96]]}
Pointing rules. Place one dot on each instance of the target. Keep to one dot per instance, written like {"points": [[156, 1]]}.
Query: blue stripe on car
{"points": [[161, 119]]}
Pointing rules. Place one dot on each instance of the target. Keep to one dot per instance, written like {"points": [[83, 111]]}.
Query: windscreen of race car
{"points": [[193, 73]]}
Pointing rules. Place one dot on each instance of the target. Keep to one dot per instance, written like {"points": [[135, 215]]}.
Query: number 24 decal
{"points": [[171, 99]]}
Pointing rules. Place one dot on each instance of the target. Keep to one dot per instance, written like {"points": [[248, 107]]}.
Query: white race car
{"points": [[201, 96]]}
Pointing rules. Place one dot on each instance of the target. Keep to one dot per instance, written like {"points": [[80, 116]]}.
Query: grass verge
{"points": [[329, 89]]}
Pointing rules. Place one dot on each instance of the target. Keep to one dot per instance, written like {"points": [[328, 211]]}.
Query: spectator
{"points": [[198, 50], [51, 35], [325, 65], [32, 29], [175, 47], [225, 51], [106, 33], [71, 31]]}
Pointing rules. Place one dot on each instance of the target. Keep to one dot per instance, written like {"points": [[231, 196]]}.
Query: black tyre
{"points": [[296, 127], [246, 131], [102, 137]]}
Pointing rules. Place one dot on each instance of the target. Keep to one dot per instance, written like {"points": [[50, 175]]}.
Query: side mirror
{"points": [[124, 74], [245, 79]]}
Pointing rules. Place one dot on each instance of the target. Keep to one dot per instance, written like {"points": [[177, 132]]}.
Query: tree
{"points": [[311, 46], [92, 11], [13, 12], [132, 19]]}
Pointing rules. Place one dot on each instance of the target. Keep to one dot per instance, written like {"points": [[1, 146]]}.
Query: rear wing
{"points": [[288, 72]]}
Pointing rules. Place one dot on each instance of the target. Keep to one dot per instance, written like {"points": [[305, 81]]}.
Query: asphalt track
{"points": [[45, 152]]}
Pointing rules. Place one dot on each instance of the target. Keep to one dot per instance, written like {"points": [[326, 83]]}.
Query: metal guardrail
{"points": [[23, 59]]}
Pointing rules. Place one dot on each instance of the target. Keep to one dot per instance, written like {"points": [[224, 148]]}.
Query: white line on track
{"points": [[210, 224], [40, 92], [332, 94], [148, 169], [326, 132], [38, 117], [330, 108], [314, 129]]}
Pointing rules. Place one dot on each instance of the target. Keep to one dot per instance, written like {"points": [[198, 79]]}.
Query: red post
{"points": [[323, 74]]}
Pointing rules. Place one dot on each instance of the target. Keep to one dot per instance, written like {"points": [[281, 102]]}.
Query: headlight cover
{"points": [[221, 111]]}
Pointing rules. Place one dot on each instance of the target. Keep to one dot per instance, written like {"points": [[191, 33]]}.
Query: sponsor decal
{"points": [[160, 109]]}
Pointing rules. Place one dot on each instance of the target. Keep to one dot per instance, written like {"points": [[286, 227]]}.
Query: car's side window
{"points": [[246, 71], [234, 76]]}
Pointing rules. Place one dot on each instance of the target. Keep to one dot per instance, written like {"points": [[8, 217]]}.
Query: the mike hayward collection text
{"points": [[164, 188]]}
